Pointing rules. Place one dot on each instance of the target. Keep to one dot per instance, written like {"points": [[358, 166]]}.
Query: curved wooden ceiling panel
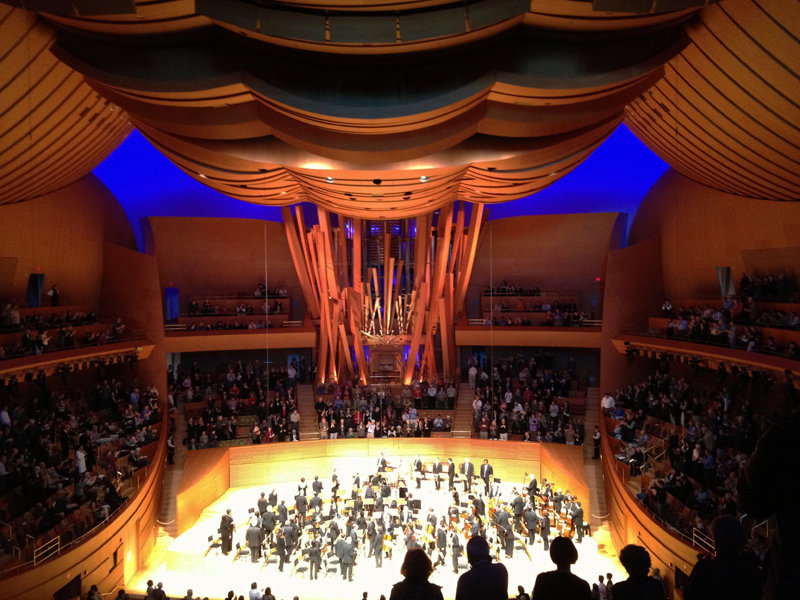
{"points": [[727, 112], [165, 16], [54, 128]]}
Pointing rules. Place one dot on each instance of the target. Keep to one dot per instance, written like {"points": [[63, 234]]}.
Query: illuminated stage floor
{"points": [[181, 565]]}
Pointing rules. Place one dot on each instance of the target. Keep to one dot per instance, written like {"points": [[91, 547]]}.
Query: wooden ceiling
{"points": [[727, 113], [54, 128]]}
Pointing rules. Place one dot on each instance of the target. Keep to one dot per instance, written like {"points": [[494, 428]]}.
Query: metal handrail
{"points": [[542, 293]]}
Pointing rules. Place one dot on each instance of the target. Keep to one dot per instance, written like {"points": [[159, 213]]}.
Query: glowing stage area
{"points": [[188, 563]]}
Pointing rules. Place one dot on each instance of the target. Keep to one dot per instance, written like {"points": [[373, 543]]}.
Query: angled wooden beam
{"points": [[418, 325], [359, 287], [301, 265], [356, 326], [458, 236], [468, 258]]}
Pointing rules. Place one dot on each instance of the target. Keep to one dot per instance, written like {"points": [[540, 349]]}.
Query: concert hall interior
{"points": [[320, 299]]}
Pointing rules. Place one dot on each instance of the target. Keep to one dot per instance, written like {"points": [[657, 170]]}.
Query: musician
{"points": [[262, 503], [315, 504], [452, 512], [254, 537], [376, 546], [502, 519], [375, 481], [530, 523], [315, 558], [316, 487], [441, 542], [468, 470], [509, 543], [518, 506], [356, 481], [558, 500], [303, 487], [226, 529], [268, 522], [280, 550], [533, 487], [372, 530], [544, 530], [381, 464], [477, 530], [349, 553], [369, 492], [417, 467], [361, 521], [437, 471], [405, 515], [301, 504], [333, 532], [386, 491], [379, 504], [283, 513], [411, 540], [487, 473], [480, 505], [455, 542], [272, 499], [358, 505], [451, 472], [577, 521], [456, 498], [334, 485]]}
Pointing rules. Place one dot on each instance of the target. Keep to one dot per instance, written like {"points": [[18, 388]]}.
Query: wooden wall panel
{"points": [[551, 337], [245, 339], [61, 234], [131, 289], [553, 252], [206, 477], [701, 228], [634, 290], [560, 463], [210, 256]]}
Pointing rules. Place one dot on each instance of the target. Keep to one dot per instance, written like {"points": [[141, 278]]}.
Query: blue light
{"points": [[147, 184], [615, 178]]}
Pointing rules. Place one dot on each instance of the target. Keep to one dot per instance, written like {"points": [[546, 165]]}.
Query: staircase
{"points": [[462, 421], [309, 429], [594, 468], [167, 517]]}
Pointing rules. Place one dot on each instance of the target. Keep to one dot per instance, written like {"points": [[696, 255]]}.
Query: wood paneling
{"points": [[701, 228], [211, 256], [634, 290], [55, 128], [206, 476], [61, 235], [244, 339], [552, 252], [552, 337], [560, 464], [725, 113]]}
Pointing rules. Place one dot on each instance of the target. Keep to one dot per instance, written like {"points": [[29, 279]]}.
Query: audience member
{"points": [[639, 585], [561, 583], [416, 569], [485, 580]]}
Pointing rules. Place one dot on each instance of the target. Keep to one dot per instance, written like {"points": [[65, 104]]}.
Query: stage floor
{"points": [[180, 564]]}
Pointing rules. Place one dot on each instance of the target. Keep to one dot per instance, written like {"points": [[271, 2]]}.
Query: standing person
{"points": [[457, 548], [561, 583], [349, 553], [170, 450], [437, 471], [544, 530], [530, 524], [226, 529], [416, 569], [254, 593], [639, 585], [254, 537], [315, 559], [54, 296], [377, 543], [280, 550], [485, 580], [451, 473], [487, 473], [577, 521], [596, 437], [468, 470]]}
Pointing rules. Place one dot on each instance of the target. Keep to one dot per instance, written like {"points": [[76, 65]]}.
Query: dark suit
{"points": [[577, 522], [262, 505], [457, 549], [381, 465], [468, 469], [371, 532], [487, 473], [254, 537], [283, 513], [530, 524], [268, 523], [315, 503], [317, 487], [480, 506], [302, 508], [273, 499], [518, 507], [557, 501], [533, 487], [544, 523], [379, 504], [451, 473], [226, 533], [349, 552], [280, 550], [315, 559], [376, 546], [418, 471], [437, 470]]}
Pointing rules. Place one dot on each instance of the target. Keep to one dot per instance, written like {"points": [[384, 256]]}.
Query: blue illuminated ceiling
{"points": [[615, 178]]}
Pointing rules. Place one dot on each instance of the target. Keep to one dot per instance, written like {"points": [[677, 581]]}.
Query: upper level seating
{"points": [[780, 287], [260, 310], [526, 399], [424, 409], [684, 445], [63, 453], [35, 331], [238, 404], [508, 304]]}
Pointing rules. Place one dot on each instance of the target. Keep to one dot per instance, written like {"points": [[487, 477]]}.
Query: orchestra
{"points": [[380, 516]]}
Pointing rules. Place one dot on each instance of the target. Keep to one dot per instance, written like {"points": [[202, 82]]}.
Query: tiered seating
{"points": [[241, 311]]}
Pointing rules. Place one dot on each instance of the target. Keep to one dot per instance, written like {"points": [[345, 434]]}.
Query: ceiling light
{"points": [[201, 175], [424, 178], [329, 179]]}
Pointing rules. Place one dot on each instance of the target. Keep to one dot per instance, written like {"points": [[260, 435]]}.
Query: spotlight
{"points": [[329, 179], [424, 178]]}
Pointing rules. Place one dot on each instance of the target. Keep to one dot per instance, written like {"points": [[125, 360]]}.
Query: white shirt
{"points": [[4, 418], [607, 402], [255, 595], [80, 459]]}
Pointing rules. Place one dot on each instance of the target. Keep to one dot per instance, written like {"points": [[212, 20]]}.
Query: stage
{"points": [[184, 563]]}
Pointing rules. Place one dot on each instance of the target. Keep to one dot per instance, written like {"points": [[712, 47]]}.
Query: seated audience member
{"points": [[485, 580], [561, 583], [416, 569], [728, 576], [639, 585]]}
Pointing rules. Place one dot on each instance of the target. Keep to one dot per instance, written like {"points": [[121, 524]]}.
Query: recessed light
{"points": [[424, 178], [201, 175], [329, 179]]}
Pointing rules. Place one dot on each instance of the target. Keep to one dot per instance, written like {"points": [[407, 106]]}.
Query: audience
{"points": [[639, 585], [485, 580], [416, 569]]}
